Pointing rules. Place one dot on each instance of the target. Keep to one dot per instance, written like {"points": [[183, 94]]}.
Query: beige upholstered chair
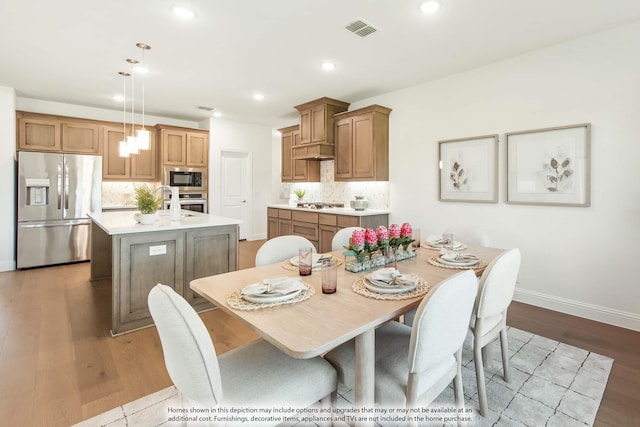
{"points": [[489, 319], [468, 235], [341, 238], [415, 364], [281, 248], [255, 375]]}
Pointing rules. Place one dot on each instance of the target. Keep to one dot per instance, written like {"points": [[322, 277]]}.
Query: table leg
{"points": [[365, 371]]}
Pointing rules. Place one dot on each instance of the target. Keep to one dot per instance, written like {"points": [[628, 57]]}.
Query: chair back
{"points": [[497, 284], [281, 248], [468, 235], [189, 354], [442, 321], [341, 238]]}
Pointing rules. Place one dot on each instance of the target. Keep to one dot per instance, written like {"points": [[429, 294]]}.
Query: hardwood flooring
{"points": [[59, 365]]}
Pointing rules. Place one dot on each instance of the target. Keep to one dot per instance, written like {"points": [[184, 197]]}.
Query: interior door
{"points": [[235, 176]]}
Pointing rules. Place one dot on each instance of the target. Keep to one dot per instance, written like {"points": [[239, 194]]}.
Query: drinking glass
{"points": [[447, 241], [416, 236], [329, 271], [305, 261]]}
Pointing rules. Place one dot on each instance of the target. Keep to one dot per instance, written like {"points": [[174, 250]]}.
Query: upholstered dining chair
{"points": [[254, 375], [281, 248], [341, 238], [489, 318], [468, 235], [415, 364]]}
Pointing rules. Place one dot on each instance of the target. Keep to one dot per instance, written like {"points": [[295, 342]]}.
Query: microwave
{"points": [[186, 179]]}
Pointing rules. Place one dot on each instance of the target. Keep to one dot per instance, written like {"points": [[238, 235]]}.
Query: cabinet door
{"points": [[363, 147], [284, 227], [305, 126], [343, 149], [39, 134], [83, 138], [300, 167], [197, 149], [144, 164], [174, 147], [287, 162], [319, 123], [114, 166], [326, 237], [272, 228]]}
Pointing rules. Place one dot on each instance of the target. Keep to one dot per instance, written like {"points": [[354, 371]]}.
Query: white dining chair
{"points": [[468, 235], [254, 375], [489, 318], [281, 248], [413, 365], [341, 238]]}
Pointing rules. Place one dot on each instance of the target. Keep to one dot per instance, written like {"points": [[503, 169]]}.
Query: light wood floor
{"points": [[59, 365]]}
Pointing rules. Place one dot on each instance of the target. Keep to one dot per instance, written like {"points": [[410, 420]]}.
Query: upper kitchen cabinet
{"points": [[137, 167], [317, 128], [183, 147], [362, 144], [41, 132], [295, 170]]}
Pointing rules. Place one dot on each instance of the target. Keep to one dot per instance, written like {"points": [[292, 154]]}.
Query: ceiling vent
{"points": [[361, 28], [205, 108]]}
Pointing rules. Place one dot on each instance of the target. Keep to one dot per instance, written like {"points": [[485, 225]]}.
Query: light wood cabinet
{"points": [[295, 170], [80, 137], [183, 147], [38, 134], [362, 144], [42, 132], [137, 167], [317, 128]]}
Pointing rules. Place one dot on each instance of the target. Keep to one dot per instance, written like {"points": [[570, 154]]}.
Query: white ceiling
{"points": [[71, 50]]}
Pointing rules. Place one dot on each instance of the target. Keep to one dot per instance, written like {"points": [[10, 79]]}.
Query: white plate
{"points": [[465, 263], [271, 298], [396, 289], [316, 258], [456, 245]]}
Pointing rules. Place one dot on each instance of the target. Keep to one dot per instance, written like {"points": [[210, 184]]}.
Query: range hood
{"points": [[317, 151], [317, 129]]}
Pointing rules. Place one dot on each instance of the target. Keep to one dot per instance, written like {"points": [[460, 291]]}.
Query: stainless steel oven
{"points": [[191, 202], [186, 179]]}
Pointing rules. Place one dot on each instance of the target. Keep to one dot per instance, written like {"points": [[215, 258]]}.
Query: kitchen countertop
{"points": [[122, 222], [336, 211]]}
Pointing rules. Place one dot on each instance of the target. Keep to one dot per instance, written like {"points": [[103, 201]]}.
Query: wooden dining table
{"points": [[312, 327]]}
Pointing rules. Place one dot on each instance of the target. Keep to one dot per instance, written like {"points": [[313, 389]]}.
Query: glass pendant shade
{"points": [[122, 149], [144, 139], [132, 145]]}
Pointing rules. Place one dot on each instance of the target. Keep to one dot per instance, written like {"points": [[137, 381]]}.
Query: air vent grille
{"points": [[361, 28], [201, 107]]}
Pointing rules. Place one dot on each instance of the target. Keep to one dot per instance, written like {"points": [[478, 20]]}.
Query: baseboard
{"points": [[7, 266], [576, 308], [262, 236]]}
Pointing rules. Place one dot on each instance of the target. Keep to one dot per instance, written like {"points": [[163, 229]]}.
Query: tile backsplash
{"points": [[328, 190], [121, 193]]}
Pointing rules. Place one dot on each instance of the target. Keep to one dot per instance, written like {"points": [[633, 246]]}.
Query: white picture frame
{"points": [[468, 169], [550, 166]]}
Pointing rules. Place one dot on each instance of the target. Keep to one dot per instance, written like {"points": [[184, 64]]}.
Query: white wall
{"points": [[246, 137], [7, 178], [583, 261]]}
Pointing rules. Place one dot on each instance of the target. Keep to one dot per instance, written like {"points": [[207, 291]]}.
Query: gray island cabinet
{"points": [[173, 253]]}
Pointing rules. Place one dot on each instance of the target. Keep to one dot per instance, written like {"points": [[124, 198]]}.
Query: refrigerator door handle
{"points": [[59, 185], [66, 185], [54, 224]]}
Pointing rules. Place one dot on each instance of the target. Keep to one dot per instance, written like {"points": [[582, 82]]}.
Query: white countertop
{"points": [[337, 211], [122, 222]]}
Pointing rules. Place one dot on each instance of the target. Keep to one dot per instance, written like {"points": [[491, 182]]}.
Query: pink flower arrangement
{"points": [[406, 230], [356, 242], [400, 236], [394, 231]]}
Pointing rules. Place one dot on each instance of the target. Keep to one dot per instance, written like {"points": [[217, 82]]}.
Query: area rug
{"points": [[552, 384]]}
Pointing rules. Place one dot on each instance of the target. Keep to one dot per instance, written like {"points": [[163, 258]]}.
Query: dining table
{"points": [[322, 322]]}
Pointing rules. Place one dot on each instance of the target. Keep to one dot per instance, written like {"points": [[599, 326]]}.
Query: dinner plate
{"points": [[395, 289], [271, 298], [459, 263], [316, 260], [456, 245]]}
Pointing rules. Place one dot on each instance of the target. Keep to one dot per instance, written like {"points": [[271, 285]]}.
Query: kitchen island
{"points": [[136, 257]]}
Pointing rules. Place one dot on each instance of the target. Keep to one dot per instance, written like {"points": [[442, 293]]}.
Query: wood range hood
{"points": [[317, 129]]}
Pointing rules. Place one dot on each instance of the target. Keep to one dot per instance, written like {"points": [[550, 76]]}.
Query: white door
{"points": [[235, 172]]}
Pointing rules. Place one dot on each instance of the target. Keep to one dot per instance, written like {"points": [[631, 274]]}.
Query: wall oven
{"points": [[186, 179], [191, 202]]}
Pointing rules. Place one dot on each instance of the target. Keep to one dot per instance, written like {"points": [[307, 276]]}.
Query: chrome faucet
{"points": [[164, 188]]}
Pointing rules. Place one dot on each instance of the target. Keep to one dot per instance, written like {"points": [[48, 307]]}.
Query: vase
{"points": [[357, 264], [145, 219], [391, 257]]}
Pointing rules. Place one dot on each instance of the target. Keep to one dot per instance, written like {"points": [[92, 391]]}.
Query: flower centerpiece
{"points": [[370, 248], [361, 252]]}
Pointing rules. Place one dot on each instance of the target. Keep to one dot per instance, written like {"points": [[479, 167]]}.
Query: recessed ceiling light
{"points": [[141, 69], [258, 96], [217, 114], [183, 12], [118, 98], [430, 6], [328, 66]]}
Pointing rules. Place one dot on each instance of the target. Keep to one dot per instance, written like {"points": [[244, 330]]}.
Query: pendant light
{"points": [[132, 144], [122, 145], [143, 137]]}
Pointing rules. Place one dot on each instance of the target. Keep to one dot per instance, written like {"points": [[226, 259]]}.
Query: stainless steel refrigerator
{"points": [[55, 193]]}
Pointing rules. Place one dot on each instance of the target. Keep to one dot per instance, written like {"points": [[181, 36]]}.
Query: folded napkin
{"points": [[459, 257], [317, 259], [391, 276], [280, 285]]}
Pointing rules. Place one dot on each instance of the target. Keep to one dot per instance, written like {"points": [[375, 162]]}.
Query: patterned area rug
{"points": [[552, 384]]}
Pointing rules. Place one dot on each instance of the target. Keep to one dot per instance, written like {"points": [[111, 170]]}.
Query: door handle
{"points": [[244, 201]]}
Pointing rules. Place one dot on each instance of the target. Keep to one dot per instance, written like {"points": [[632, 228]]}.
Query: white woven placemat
{"points": [[421, 289], [477, 268], [286, 264], [235, 300]]}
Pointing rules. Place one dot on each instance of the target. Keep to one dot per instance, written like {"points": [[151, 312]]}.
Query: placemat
{"points": [[421, 289], [286, 264], [425, 244], [235, 300], [478, 268]]}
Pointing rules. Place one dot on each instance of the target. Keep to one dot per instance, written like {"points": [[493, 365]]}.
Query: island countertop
{"points": [[336, 211], [122, 222]]}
